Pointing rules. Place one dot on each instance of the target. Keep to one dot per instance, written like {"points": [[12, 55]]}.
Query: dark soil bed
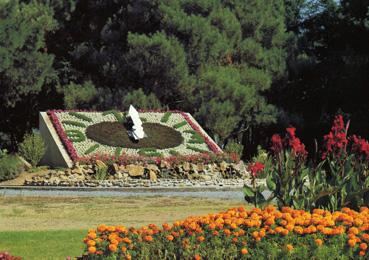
{"points": [[115, 134]]}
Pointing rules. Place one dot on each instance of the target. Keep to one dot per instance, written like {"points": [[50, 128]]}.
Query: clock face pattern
{"points": [[168, 133]]}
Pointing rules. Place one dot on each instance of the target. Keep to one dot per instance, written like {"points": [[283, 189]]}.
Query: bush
{"points": [[32, 148], [239, 234], [234, 147], [10, 166]]}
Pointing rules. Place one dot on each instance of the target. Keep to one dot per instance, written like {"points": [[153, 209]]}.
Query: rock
{"points": [[114, 169], [152, 167], [205, 177], [223, 166], [153, 176], [200, 167], [135, 170], [77, 170], [164, 164], [186, 166]]}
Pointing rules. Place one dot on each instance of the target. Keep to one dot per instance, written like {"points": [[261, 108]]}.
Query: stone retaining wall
{"points": [[133, 175]]}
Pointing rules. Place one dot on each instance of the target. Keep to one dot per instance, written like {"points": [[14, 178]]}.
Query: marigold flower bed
{"points": [[239, 234]]}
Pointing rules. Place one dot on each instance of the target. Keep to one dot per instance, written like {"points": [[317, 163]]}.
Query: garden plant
{"points": [[266, 233], [339, 179]]}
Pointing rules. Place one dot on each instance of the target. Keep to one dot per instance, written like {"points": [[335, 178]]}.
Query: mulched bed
{"points": [[115, 134]]}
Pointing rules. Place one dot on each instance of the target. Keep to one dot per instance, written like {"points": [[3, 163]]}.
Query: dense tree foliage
{"points": [[242, 67]]}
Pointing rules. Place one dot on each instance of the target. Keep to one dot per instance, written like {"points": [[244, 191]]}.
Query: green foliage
{"points": [[173, 152], [151, 152], [79, 96], [81, 116], [165, 117], [179, 125], [75, 135], [32, 148], [10, 166], [73, 123], [234, 147], [140, 100], [118, 151], [196, 138], [158, 54], [24, 65], [91, 149], [193, 148], [118, 115], [263, 157], [229, 96], [101, 172]]}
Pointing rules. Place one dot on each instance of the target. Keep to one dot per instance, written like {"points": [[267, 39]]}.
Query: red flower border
{"points": [[74, 155]]}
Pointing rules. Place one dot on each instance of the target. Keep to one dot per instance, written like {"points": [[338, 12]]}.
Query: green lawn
{"points": [[43, 245], [53, 228]]}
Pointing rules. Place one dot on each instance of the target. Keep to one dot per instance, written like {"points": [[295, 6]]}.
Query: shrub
{"points": [[10, 166], [234, 147], [32, 148], [239, 234]]}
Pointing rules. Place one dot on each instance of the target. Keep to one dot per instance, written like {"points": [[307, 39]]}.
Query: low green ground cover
{"points": [[42, 245]]}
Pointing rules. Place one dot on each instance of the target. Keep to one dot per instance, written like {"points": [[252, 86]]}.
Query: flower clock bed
{"points": [[266, 233], [87, 135]]}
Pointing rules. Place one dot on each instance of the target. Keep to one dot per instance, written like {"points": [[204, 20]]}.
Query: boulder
{"points": [[135, 170], [114, 169], [223, 166], [77, 170], [153, 176], [186, 166], [152, 167]]}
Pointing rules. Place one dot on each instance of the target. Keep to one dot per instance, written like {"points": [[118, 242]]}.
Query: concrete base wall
{"points": [[56, 155]]}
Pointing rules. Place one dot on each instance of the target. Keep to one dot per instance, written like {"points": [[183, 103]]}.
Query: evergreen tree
{"points": [[25, 65]]}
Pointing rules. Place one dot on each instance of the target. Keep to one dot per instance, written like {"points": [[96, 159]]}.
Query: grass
{"points": [[52, 228], [43, 245]]}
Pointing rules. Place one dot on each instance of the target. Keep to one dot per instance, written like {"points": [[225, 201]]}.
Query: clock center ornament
{"points": [[136, 131]]}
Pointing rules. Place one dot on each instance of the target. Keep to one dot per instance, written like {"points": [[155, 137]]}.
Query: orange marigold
{"points": [[197, 257], [363, 246], [113, 247], [200, 238], [92, 250], [170, 237], [318, 242], [244, 251], [351, 242], [148, 238], [289, 247]]}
